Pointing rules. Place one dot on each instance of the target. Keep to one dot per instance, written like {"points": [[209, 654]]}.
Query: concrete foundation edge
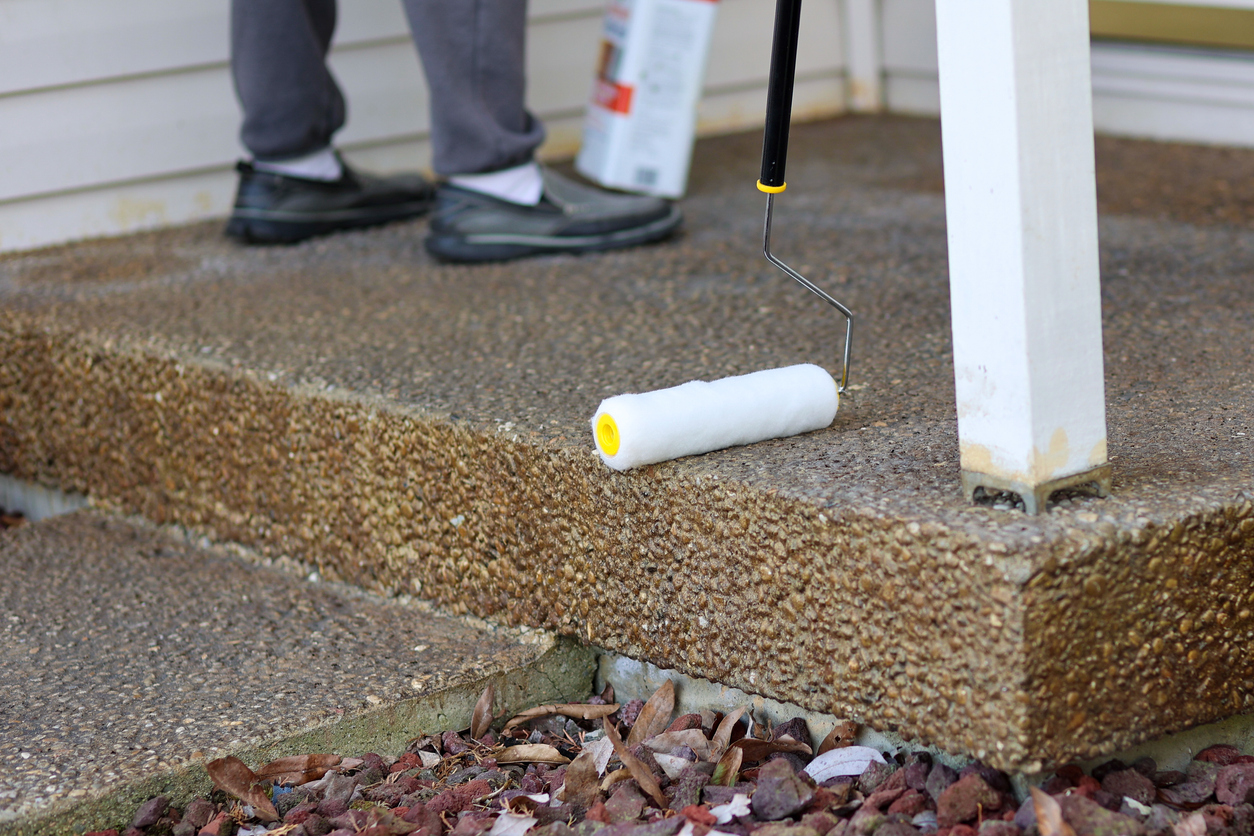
{"points": [[633, 679]]}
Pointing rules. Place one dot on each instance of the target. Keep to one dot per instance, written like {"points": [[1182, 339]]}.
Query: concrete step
{"points": [[130, 657], [418, 428]]}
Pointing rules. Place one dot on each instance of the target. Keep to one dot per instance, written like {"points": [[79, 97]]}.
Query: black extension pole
{"points": [[779, 93]]}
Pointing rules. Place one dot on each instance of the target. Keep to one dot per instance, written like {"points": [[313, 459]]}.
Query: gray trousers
{"points": [[472, 52]]}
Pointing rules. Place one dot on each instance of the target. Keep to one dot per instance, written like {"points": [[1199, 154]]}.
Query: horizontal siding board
{"points": [[55, 43], [51, 43], [82, 137]]}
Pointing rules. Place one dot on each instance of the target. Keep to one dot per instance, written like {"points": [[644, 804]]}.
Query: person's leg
{"points": [[297, 186], [498, 203], [292, 105], [473, 54]]}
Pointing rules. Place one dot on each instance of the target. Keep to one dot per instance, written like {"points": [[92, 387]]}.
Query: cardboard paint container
{"points": [[642, 116]]}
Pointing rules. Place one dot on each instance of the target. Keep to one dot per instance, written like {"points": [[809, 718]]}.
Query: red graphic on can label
{"points": [[613, 96]]}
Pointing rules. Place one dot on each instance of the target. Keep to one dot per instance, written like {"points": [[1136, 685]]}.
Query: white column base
{"points": [[1035, 496]]}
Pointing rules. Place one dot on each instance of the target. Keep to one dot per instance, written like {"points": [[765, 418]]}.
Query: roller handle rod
{"points": [[779, 92], [813, 288]]}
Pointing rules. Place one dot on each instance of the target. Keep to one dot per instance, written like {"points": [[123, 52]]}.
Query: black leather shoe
{"points": [[571, 217], [274, 208]]}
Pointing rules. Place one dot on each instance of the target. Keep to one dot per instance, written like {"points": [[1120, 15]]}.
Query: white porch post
{"points": [[862, 50], [1021, 206]]}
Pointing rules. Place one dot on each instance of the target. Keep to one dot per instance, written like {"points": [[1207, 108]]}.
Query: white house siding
{"points": [[119, 116], [1186, 94]]}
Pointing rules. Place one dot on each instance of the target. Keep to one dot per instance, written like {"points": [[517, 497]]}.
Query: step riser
{"points": [[925, 630]]}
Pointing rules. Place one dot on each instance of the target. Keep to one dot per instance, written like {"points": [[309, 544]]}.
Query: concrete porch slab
{"points": [[422, 428], [130, 657]]}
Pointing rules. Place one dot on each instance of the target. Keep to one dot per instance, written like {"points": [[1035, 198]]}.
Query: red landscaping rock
{"points": [[780, 793], [910, 803], [964, 800], [456, 799], [1132, 784], [939, 779], [685, 722], [1235, 784], [1092, 819], [821, 822], [150, 811], [999, 828], [1220, 753], [881, 799]]}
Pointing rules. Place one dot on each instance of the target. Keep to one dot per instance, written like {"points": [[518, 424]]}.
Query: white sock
{"points": [[320, 165], [521, 184]]}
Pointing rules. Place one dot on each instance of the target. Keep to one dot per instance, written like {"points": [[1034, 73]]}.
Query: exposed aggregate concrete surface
{"points": [[423, 428], [129, 657]]}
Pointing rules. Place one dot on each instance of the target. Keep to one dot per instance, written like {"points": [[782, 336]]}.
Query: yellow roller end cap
{"points": [[607, 435]]}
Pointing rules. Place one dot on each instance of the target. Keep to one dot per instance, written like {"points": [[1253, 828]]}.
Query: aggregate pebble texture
{"points": [[419, 428], [129, 657]]}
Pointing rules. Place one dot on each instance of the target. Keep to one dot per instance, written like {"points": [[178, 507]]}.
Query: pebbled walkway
{"points": [[128, 657]]}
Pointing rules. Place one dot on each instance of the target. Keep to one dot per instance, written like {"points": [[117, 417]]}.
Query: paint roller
{"points": [[699, 416]]}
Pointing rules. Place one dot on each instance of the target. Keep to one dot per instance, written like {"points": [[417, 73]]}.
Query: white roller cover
{"points": [[700, 416]]}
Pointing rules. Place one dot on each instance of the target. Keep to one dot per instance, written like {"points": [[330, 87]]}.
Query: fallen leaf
{"points": [[576, 711], [511, 824], [738, 806], [655, 716], [531, 753], [668, 742], [722, 735], [849, 760], [756, 750], [728, 767], [298, 769], [638, 770], [671, 765], [602, 750], [839, 737], [583, 783], [430, 760], [481, 717], [526, 805], [232, 776], [1049, 815], [614, 777]]}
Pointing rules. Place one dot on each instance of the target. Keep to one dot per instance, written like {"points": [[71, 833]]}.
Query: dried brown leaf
{"points": [[481, 717], [655, 716], [756, 750], [298, 769], [840, 737], [728, 767], [667, 742], [1049, 815], [531, 753], [574, 710], [583, 782], [638, 770], [722, 735], [614, 777], [232, 776]]}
